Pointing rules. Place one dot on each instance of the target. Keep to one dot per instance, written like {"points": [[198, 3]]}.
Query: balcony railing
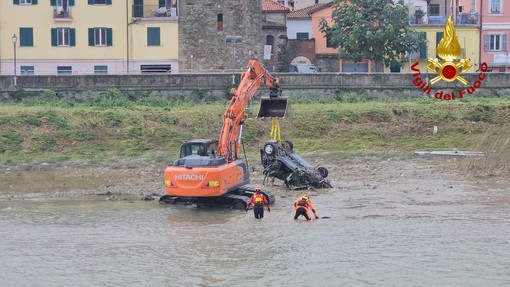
{"points": [[61, 13], [153, 11], [436, 14], [462, 19]]}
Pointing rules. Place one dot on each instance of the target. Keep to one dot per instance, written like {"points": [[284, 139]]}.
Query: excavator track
{"points": [[237, 199]]}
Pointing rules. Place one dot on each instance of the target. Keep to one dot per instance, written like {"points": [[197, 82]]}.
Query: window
{"points": [[100, 2], [26, 37], [395, 69], [302, 36], [495, 7], [64, 70], [270, 40], [63, 37], [495, 42], [100, 37], [100, 70], [27, 70], [434, 10], [156, 68], [61, 3], [220, 22], [24, 2], [153, 36]]}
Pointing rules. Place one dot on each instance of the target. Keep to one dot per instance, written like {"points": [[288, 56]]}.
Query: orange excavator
{"points": [[211, 172]]}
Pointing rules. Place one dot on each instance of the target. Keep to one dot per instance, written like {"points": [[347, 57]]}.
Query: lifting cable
{"points": [[275, 130]]}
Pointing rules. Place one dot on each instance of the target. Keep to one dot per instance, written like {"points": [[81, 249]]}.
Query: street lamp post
{"points": [[233, 40], [14, 41]]}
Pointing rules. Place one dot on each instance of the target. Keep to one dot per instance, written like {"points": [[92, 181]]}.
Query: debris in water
{"points": [[451, 152]]}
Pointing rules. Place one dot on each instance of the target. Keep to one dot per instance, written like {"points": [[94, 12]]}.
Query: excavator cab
{"points": [[201, 147], [274, 105]]}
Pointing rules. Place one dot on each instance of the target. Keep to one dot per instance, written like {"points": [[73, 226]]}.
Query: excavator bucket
{"points": [[273, 107]]}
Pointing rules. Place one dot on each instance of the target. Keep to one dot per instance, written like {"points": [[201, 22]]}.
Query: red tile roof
{"points": [[303, 13], [271, 5], [306, 12]]}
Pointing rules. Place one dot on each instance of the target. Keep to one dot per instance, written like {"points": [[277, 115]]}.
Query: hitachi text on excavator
{"points": [[211, 172]]}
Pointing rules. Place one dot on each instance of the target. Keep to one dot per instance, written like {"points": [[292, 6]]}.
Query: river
{"points": [[376, 236]]}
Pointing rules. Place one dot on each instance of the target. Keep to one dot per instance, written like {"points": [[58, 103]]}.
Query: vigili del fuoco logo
{"points": [[449, 68]]}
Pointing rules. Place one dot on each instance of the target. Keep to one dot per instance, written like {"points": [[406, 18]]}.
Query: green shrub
{"points": [[10, 141]]}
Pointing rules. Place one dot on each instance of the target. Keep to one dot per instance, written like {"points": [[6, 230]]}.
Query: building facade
{"points": [[494, 34], [62, 37], [205, 28], [48, 37]]}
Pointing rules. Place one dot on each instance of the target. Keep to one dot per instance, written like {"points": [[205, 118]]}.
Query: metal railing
{"points": [[62, 13], [436, 14], [153, 11]]}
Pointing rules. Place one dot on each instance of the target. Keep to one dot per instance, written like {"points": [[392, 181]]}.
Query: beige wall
{"points": [[129, 41]]}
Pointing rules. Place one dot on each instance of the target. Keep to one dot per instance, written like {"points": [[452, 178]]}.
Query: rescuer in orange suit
{"points": [[301, 206], [258, 200]]}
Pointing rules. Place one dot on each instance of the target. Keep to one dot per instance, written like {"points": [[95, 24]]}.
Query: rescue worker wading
{"points": [[301, 206], [258, 200]]}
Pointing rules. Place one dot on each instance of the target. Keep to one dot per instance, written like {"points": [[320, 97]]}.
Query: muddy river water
{"points": [[400, 228]]}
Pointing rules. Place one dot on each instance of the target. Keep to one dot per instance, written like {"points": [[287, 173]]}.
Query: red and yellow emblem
{"points": [[449, 50]]}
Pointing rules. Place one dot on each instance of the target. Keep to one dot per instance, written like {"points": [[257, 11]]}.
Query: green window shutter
{"points": [[54, 38], [53, 2], [153, 36], [162, 3], [15, 2], [91, 2], [71, 2], [91, 37], [423, 48], [108, 2], [34, 2], [72, 37], [439, 36], [26, 37], [109, 37]]}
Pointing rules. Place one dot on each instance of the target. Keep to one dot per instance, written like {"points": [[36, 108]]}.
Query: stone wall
{"points": [[202, 45], [200, 87], [327, 63]]}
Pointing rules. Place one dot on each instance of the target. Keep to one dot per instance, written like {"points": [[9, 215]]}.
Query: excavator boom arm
{"points": [[234, 115]]}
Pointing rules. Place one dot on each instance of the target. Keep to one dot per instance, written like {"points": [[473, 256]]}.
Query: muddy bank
{"points": [[143, 179]]}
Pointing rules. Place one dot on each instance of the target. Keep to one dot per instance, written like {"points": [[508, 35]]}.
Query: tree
{"points": [[375, 30]]}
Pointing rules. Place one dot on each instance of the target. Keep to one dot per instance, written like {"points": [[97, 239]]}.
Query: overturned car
{"points": [[282, 162]]}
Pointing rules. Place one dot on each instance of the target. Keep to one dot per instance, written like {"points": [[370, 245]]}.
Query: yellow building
{"points": [[46, 37], [469, 40]]}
